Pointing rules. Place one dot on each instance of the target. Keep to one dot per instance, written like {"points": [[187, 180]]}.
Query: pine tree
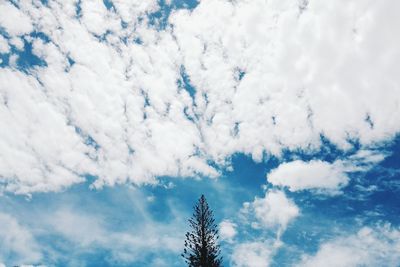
{"points": [[201, 247]]}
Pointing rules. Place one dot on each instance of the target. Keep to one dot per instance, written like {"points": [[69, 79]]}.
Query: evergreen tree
{"points": [[201, 247]]}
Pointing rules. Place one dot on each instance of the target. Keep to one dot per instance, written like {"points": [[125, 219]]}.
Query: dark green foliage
{"points": [[201, 247]]}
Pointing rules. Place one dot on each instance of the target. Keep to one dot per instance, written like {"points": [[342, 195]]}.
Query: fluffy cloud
{"points": [[10, 15], [315, 174], [36, 134], [321, 176], [369, 247], [123, 125], [270, 214], [275, 210], [124, 101], [4, 47], [296, 84], [227, 230], [17, 243]]}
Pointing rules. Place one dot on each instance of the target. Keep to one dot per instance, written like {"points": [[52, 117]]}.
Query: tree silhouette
{"points": [[201, 247]]}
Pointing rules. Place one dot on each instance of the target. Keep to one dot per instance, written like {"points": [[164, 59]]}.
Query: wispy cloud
{"points": [[17, 242], [369, 247]]}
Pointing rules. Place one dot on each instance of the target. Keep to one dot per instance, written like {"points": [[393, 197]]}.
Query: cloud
{"points": [[41, 152], [322, 176], [116, 227], [368, 247], [87, 231], [252, 254], [96, 125], [17, 243], [111, 99], [4, 47], [7, 21], [227, 230], [315, 174], [294, 86], [268, 215], [274, 211]]}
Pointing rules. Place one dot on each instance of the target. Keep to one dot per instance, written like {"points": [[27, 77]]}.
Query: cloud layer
{"points": [[106, 92]]}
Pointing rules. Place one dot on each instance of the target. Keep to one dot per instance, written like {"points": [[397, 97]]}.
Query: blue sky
{"points": [[117, 116]]}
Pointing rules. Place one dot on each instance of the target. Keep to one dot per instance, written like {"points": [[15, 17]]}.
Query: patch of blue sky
{"points": [[184, 83], [40, 35], [71, 62], [4, 60], [109, 4], [103, 37], [26, 59], [78, 9], [327, 152], [159, 18], [88, 140], [14, 2], [239, 74], [124, 24]]}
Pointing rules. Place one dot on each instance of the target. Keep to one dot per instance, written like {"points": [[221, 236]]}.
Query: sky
{"points": [[115, 116]]}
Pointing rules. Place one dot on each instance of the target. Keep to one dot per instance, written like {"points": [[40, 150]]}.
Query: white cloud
{"points": [[17, 242], [122, 91], [40, 151], [4, 47], [10, 16], [315, 174], [227, 230], [131, 11], [286, 98], [252, 254], [369, 247], [94, 17], [272, 214], [321, 176], [274, 211], [17, 42]]}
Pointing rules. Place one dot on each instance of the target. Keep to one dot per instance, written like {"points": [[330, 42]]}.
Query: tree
{"points": [[201, 247]]}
